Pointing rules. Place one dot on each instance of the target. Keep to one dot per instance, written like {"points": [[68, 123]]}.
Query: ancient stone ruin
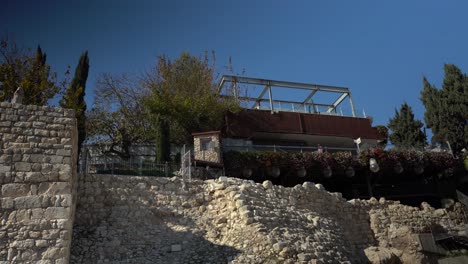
{"points": [[129, 219]]}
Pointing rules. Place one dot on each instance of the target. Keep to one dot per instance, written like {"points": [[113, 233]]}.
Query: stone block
{"points": [[56, 159], [61, 261], [37, 157], [15, 189], [65, 176], [41, 132], [54, 188], [6, 203], [33, 139], [6, 158], [44, 145], [38, 124], [5, 123], [51, 253], [57, 213], [66, 200], [36, 167], [66, 141], [22, 166], [35, 177], [22, 124], [41, 243], [64, 224], [5, 168], [22, 215], [37, 213], [64, 152], [27, 202], [176, 248]]}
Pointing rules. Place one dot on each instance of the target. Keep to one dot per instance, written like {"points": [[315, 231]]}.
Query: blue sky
{"points": [[380, 50]]}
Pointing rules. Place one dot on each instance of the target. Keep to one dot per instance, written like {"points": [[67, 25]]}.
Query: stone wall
{"points": [[213, 152], [37, 178], [396, 226], [127, 219]]}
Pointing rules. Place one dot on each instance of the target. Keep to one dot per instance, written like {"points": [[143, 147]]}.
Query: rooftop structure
{"points": [[292, 115], [308, 93]]}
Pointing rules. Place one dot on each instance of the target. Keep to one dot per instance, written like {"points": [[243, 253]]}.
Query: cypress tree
{"points": [[447, 108], [74, 96], [163, 141], [406, 131]]}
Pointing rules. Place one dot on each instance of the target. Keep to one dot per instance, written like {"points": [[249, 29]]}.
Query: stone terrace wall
{"points": [[396, 225], [127, 219], [37, 178]]}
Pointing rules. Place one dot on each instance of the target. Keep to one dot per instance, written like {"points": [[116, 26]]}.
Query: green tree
{"points": [[185, 92], [74, 96], [163, 140], [29, 71], [447, 108], [383, 133], [406, 131]]}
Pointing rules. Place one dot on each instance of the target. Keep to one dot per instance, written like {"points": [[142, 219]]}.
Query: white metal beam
{"points": [[305, 86], [337, 102]]}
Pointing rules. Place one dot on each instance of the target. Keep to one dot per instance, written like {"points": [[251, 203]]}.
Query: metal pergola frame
{"points": [[307, 102]]}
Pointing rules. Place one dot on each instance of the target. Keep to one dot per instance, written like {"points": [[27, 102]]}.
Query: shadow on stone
{"points": [[130, 222]]}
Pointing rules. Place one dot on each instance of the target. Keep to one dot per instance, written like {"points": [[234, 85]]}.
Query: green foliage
{"points": [[162, 139], [74, 96], [447, 108], [383, 133], [28, 71], [184, 92], [406, 131]]}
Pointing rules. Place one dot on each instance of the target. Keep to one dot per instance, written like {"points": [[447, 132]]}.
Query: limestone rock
{"points": [[379, 255], [18, 96], [267, 184]]}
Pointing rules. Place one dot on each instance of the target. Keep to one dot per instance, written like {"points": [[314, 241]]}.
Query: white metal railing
{"points": [[186, 164], [282, 148]]}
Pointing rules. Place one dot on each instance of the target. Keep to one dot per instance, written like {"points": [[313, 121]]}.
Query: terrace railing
{"points": [[283, 148], [186, 164], [134, 166]]}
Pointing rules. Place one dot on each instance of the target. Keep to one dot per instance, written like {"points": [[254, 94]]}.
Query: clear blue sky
{"points": [[379, 49]]}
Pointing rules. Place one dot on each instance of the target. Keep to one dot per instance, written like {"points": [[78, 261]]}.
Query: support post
{"points": [[271, 99], [352, 104]]}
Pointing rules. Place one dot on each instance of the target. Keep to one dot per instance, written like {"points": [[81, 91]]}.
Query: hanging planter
{"points": [[350, 172], [373, 165], [327, 172], [302, 172], [398, 168], [247, 172], [418, 168], [275, 172]]}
